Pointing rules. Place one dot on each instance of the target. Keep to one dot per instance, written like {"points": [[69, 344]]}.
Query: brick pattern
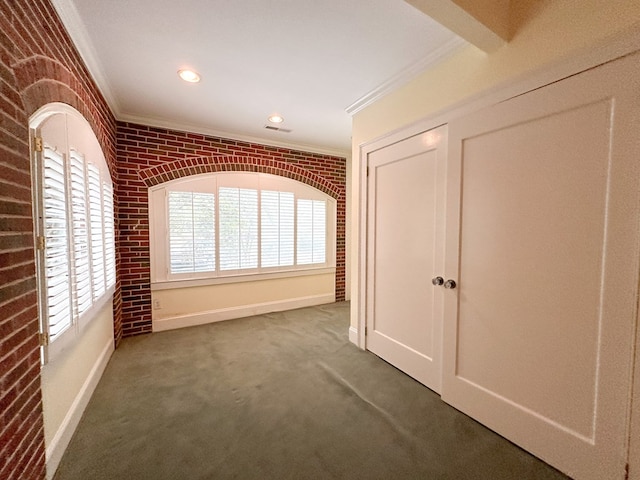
{"points": [[38, 65], [227, 163], [148, 156]]}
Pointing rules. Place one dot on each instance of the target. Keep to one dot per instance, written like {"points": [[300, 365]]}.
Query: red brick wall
{"points": [[38, 65], [148, 156]]}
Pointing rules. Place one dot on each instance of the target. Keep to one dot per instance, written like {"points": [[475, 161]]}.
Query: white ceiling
{"points": [[309, 60]]}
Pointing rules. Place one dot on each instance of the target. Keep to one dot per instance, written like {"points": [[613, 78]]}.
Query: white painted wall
{"points": [[195, 305], [69, 381]]}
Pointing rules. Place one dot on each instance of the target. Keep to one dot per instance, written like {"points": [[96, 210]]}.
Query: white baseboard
{"points": [[230, 313], [61, 439], [353, 335]]}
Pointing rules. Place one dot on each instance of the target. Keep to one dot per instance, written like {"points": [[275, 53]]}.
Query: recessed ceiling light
{"points": [[189, 75], [276, 119]]}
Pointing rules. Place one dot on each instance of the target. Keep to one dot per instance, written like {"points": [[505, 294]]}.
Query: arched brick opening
{"points": [[237, 163], [148, 156], [42, 80]]}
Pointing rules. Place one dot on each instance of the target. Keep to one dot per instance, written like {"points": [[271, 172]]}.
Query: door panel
{"points": [[405, 241], [530, 254], [538, 337]]}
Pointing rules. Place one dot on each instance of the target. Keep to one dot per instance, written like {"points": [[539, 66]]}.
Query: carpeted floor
{"points": [[278, 396]]}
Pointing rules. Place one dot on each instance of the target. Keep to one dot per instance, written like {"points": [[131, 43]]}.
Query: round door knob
{"points": [[437, 281], [450, 284]]}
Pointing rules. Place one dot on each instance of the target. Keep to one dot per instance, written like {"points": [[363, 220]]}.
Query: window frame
{"points": [[69, 132], [161, 278]]}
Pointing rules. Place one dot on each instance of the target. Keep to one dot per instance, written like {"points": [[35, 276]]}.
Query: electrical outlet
{"points": [[156, 304]]}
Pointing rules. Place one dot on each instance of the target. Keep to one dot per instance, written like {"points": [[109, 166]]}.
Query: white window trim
{"points": [[208, 183]]}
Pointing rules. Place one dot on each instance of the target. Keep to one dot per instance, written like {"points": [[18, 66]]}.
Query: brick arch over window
{"points": [[236, 163], [194, 166], [42, 80], [148, 156]]}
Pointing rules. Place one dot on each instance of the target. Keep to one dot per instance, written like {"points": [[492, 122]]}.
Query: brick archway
{"points": [[235, 163], [42, 80], [149, 156], [169, 171]]}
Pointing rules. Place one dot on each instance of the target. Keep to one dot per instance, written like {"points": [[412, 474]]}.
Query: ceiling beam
{"points": [[483, 23]]}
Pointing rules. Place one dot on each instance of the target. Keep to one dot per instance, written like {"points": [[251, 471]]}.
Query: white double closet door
{"points": [[404, 248], [534, 213]]}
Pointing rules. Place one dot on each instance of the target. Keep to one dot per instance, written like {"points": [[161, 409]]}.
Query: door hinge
{"points": [[40, 242], [365, 331], [37, 143], [626, 471], [367, 171], [44, 339]]}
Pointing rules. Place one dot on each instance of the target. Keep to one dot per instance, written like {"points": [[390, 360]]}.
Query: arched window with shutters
{"points": [[217, 227], [74, 224]]}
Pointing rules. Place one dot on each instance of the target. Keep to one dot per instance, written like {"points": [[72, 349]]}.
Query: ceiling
{"points": [[313, 62]]}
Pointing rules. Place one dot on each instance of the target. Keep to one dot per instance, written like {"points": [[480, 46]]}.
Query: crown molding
{"points": [[405, 76], [82, 41], [190, 128]]}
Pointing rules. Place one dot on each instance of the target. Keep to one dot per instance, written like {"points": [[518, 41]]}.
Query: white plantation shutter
{"points": [[204, 232], [277, 228], [97, 239], [304, 250], [238, 211], [74, 225], [56, 253], [311, 231], [109, 234], [319, 231], [181, 244], [79, 237], [191, 232], [258, 223], [80, 233]]}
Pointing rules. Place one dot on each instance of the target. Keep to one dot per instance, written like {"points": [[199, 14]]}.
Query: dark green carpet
{"points": [[278, 396]]}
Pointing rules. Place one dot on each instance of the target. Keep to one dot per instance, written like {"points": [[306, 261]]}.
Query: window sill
{"points": [[253, 277]]}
